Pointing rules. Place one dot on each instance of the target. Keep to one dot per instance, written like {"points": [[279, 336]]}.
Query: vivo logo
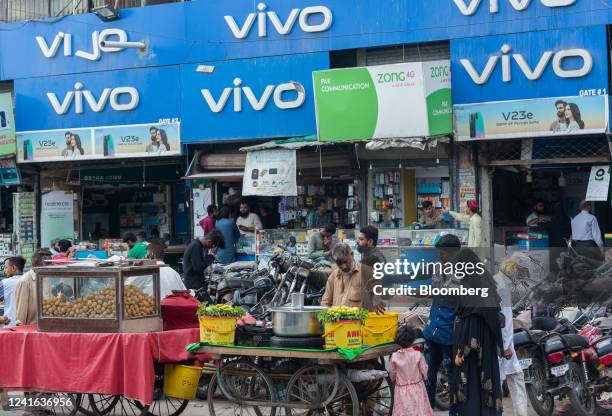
{"points": [[518, 5], [97, 40], [256, 103], [96, 105], [531, 72], [281, 27]]}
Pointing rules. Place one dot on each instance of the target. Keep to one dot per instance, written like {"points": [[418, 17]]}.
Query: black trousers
{"points": [[588, 248]]}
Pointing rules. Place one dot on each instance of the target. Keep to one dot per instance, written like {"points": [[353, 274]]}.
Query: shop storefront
{"points": [[544, 143]]}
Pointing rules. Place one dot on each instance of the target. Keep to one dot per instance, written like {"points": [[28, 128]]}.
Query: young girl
{"points": [[408, 372]]}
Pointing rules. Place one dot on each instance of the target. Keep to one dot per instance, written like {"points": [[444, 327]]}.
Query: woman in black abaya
{"points": [[476, 387]]}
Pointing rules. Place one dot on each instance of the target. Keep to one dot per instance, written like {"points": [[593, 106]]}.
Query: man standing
{"points": [[474, 220], [367, 242], [136, 249], [537, 219], [198, 257], [208, 223], [169, 279], [320, 244], [13, 269], [586, 234], [438, 331], [248, 221], [230, 232], [25, 291], [349, 284], [560, 124], [319, 216]]}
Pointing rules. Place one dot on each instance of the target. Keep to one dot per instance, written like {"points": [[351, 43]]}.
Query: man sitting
{"points": [[169, 279]]}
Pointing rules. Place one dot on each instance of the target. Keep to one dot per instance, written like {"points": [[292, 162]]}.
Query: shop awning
{"points": [[420, 143], [292, 143], [217, 175]]}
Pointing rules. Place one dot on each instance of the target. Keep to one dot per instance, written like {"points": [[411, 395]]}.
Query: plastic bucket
{"points": [[342, 334], [181, 381], [380, 329], [218, 330]]}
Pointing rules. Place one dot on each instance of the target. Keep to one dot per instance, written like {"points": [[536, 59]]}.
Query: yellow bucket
{"points": [[342, 334], [218, 330], [181, 381], [380, 329]]}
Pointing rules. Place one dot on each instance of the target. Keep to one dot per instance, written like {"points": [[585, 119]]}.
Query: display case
{"points": [[76, 298]]}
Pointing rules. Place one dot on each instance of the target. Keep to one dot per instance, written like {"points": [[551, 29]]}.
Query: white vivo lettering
{"points": [[50, 51], [526, 69], [518, 5], [96, 49], [262, 16], [585, 56], [287, 105], [95, 104], [257, 104]]}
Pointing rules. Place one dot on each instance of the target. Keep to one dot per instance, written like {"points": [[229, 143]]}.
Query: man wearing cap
{"points": [[473, 218]]}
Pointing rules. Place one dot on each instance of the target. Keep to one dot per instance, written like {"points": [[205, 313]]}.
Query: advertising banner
{"points": [[143, 140], [558, 116], [7, 125], [56, 216], [599, 182], [270, 173], [202, 198], [387, 101]]}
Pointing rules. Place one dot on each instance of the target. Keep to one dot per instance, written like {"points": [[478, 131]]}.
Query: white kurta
{"points": [[512, 365]]}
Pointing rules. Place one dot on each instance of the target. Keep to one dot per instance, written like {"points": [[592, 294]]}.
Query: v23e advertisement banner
{"points": [[385, 101], [7, 125], [270, 173], [553, 117], [142, 140]]}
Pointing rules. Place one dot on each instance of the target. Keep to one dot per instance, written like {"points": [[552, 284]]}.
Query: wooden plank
{"points": [[330, 356]]}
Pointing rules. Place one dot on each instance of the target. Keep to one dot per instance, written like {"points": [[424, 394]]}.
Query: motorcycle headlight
{"points": [[303, 273]]}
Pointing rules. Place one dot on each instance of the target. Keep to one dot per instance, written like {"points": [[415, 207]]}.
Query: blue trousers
{"points": [[436, 355]]}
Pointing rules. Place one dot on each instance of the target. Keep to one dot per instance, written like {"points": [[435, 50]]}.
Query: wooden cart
{"points": [[256, 381]]}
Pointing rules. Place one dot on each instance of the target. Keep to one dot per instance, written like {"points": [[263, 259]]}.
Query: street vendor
{"points": [[350, 284]]}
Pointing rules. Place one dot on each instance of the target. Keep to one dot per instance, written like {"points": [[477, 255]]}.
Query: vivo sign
{"points": [[282, 27], [98, 40], [81, 96], [470, 8], [256, 103], [531, 71]]}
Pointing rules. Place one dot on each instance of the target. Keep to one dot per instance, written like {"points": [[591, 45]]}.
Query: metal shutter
{"points": [[408, 53]]}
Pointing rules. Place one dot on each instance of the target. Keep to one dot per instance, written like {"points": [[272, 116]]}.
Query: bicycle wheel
{"points": [[321, 390], [240, 381], [109, 405]]}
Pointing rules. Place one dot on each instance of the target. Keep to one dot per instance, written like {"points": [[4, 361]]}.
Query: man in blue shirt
{"points": [[438, 331], [231, 234], [319, 216]]}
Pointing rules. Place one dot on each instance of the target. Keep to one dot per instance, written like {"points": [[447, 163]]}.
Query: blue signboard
{"points": [[252, 98], [209, 30], [569, 62], [97, 99]]}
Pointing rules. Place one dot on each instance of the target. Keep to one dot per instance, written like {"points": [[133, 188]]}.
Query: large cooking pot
{"points": [[288, 321]]}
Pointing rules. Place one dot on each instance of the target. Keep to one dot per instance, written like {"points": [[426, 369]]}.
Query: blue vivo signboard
{"points": [[210, 30], [97, 99], [252, 98], [568, 62]]}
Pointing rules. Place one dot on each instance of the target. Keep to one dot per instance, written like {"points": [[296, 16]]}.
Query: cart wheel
{"points": [[241, 380], [323, 390], [60, 404], [163, 405], [376, 396], [109, 405]]}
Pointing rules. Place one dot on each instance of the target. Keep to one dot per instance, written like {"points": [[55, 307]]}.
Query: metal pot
{"points": [[297, 322]]}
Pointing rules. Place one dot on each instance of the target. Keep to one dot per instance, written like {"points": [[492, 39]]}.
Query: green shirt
{"points": [[139, 251]]}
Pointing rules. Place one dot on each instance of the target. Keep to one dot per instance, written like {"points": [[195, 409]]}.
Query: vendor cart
{"points": [[266, 381]]}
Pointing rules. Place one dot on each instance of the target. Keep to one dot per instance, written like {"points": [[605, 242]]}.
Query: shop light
{"points": [[562, 181], [371, 167], [106, 13], [400, 165], [529, 177]]}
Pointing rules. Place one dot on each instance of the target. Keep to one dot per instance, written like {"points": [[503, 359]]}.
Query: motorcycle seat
{"points": [[234, 284], [522, 338], [572, 340], [239, 266]]}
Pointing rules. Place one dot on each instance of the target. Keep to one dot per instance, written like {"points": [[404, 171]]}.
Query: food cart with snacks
{"points": [[98, 347]]}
